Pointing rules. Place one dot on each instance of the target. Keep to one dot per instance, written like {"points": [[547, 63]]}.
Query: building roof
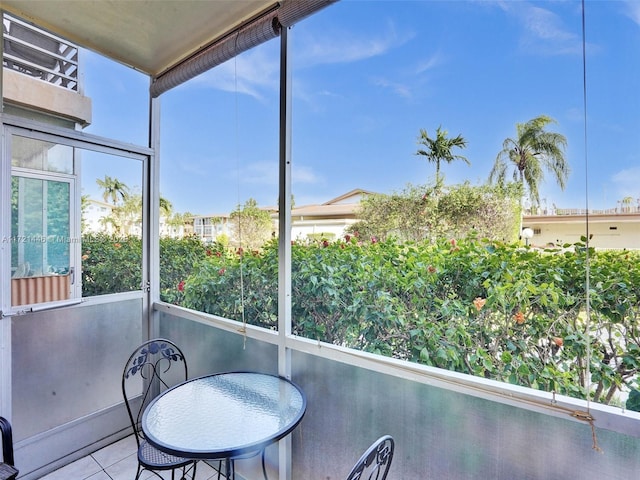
{"points": [[343, 206]]}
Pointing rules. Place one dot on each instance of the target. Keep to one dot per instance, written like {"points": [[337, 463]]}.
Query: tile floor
{"points": [[117, 461]]}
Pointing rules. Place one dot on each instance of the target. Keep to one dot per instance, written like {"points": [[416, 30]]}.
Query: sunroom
{"points": [[116, 112]]}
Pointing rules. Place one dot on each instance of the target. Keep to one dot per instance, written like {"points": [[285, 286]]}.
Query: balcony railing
{"points": [[39, 54]]}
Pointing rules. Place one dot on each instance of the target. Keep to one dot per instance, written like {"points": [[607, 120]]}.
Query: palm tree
{"points": [[439, 148], [166, 207], [532, 151], [113, 189]]}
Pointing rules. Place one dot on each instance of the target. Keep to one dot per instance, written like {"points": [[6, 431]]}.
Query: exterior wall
{"points": [[92, 215], [207, 228], [33, 93], [607, 232], [334, 229]]}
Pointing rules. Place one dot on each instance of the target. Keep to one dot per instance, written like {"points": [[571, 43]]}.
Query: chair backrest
{"points": [[7, 441], [7, 469], [152, 368], [375, 462]]}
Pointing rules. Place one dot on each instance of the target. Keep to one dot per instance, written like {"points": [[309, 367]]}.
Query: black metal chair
{"points": [[154, 366], [375, 462], [7, 467]]}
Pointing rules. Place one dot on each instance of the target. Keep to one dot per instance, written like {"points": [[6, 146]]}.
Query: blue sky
{"points": [[368, 75]]}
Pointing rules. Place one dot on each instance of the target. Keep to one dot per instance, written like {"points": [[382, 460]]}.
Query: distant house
{"points": [[209, 227], [608, 229], [93, 214], [327, 220]]}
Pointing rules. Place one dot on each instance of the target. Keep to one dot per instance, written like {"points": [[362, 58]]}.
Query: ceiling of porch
{"points": [[148, 35]]}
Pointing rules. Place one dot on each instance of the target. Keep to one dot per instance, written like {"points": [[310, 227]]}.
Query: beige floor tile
{"points": [[80, 469]]}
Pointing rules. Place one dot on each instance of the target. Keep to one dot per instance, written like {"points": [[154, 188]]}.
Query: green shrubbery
{"points": [[490, 309]]}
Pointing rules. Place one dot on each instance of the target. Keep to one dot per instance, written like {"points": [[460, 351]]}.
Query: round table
{"points": [[224, 415]]}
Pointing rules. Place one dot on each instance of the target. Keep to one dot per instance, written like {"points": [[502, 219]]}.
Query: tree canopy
{"points": [[113, 189], [439, 149], [432, 212], [533, 151], [251, 226]]}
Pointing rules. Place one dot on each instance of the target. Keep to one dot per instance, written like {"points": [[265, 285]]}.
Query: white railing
{"points": [[581, 211], [39, 54]]}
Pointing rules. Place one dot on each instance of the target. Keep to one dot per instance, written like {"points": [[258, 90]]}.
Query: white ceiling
{"points": [[149, 35]]}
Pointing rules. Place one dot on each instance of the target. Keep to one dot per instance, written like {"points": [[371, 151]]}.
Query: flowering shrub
{"points": [[490, 309], [113, 264], [110, 264]]}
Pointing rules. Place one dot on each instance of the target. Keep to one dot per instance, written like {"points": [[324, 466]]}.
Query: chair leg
{"points": [[264, 468]]}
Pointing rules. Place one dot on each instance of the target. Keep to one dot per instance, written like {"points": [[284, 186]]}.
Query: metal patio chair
{"points": [[7, 467], [155, 365], [375, 462]]}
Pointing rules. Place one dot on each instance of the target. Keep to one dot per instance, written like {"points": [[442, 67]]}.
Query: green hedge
{"points": [[495, 310]]}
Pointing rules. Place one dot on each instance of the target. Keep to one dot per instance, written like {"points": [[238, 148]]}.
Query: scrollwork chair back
{"points": [[374, 464]]}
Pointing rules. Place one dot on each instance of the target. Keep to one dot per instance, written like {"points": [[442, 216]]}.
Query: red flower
{"points": [[374, 240], [181, 286], [218, 254], [431, 269], [347, 238], [221, 271], [558, 341], [325, 243], [208, 252], [479, 303], [239, 251], [519, 318], [453, 242]]}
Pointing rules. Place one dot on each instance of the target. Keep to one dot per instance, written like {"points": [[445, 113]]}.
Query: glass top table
{"points": [[224, 415]]}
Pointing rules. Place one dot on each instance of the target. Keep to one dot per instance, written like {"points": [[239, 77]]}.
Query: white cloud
{"points": [[302, 174], [633, 10], [627, 182], [430, 63], [346, 46], [544, 31], [266, 173], [254, 73], [398, 88]]}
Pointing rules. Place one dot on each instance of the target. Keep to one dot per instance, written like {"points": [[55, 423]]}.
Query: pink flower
{"points": [[374, 240], [221, 271]]}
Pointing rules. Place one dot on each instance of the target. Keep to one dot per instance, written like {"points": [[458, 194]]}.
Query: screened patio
{"points": [[61, 358]]}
